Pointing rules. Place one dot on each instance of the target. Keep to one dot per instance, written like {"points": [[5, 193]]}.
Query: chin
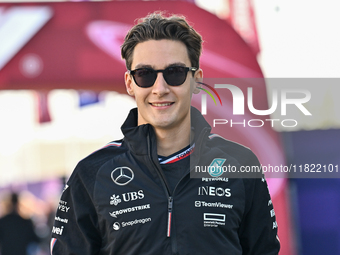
{"points": [[163, 124]]}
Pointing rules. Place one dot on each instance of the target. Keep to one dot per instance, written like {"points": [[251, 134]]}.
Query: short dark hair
{"points": [[156, 26]]}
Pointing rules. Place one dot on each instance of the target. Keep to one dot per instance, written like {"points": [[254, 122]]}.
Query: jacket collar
{"points": [[138, 137]]}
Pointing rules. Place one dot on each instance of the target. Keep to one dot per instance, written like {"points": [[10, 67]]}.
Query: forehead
{"points": [[159, 54]]}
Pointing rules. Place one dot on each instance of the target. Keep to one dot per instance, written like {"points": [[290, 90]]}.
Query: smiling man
{"points": [[166, 108], [135, 196]]}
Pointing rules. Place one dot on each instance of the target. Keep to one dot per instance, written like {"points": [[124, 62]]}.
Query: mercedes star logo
{"points": [[122, 175]]}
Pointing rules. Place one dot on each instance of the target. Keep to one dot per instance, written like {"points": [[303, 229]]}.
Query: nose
{"points": [[160, 87]]}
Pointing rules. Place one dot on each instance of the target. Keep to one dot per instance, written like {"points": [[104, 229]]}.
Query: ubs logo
{"points": [[128, 196], [122, 175]]}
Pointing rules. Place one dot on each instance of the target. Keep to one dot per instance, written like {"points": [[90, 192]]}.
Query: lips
{"points": [[162, 104]]}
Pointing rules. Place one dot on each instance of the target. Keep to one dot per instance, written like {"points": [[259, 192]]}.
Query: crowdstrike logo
{"points": [[130, 209]]}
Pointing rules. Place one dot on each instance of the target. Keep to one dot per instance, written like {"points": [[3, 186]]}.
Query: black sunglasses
{"points": [[173, 75]]}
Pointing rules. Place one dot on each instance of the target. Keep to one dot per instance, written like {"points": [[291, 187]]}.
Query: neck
{"points": [[171, 141]]}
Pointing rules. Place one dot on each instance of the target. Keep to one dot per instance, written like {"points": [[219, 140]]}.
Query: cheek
{"points": [[186, 92], [141, 95]]}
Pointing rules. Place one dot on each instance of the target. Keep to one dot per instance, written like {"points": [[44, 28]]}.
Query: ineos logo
{"points": [[122, 175]]}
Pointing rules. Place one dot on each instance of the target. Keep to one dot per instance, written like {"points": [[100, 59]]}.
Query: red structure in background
{"points": [[242, 18], [77, 46]]}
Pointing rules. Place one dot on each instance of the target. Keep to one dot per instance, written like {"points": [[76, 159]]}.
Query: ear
{"points": [[129, 84], [197, 77]]}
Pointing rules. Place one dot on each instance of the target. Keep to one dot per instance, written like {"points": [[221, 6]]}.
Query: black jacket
{"points": [[117, 201]]}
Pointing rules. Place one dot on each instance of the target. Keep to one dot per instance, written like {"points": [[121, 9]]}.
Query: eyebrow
{"points": [[150, 66]]}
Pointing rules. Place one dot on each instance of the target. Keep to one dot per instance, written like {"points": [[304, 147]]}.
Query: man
{"points": [[135, 196], [17, 235]]}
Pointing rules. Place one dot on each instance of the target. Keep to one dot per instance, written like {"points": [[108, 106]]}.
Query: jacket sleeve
{"points": [[258, 231], [75, 229]]}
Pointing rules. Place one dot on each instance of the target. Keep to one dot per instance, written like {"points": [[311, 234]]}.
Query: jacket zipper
{"points": [[169, 216], [164, 184], [170, 198], [170, 202]]}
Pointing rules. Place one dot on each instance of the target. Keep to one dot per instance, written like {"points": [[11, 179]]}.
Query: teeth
{"points": [[165, 104]]}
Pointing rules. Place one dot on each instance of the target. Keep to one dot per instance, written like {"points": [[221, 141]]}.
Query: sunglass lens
{"points": [[145, 77], [175, 75]]}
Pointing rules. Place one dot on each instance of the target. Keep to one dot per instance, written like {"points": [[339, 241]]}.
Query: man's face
{"points": [[163, 106]]}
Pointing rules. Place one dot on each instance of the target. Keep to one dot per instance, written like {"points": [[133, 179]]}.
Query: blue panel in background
{"points": [[317, 201]]}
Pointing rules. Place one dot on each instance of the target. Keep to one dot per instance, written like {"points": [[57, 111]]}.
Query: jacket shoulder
{"points": [[87, 168], [240, 152]]}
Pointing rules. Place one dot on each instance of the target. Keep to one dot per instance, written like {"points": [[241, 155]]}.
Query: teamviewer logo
{"points": [[197, 203]]}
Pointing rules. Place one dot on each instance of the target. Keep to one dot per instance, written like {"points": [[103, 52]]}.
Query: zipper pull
{"points": [[169, 216]]}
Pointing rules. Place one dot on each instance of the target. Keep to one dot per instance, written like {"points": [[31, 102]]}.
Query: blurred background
{"points": [[62, 96]]}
